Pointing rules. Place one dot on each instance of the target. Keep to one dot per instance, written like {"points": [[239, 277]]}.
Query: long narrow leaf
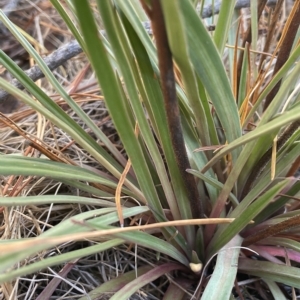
{"points": [[115, 284], [48, 199], [55, 260], [211, 71], [179, 47], [51, 105], [275, 290], [123, 56], [270, 127], [148, 277], [17, 250], [115, 101], [279, 273], [151, 242], [223, 25], [225, 272], [244, 218], [18, 165]]}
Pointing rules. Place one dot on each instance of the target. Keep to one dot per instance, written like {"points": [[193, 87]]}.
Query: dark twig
{"points": [[7, 9], [10, 6], [208, 10], [54, 60], [167, 79]]}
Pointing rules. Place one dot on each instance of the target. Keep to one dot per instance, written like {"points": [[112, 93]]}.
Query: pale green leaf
{"points": [[222, 280], [279, 273]]}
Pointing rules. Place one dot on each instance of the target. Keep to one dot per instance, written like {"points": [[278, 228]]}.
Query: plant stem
{"points": [[272, 230], [167, 79]]}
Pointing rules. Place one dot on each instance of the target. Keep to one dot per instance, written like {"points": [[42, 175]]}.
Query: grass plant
{"points": [[208, 180]]}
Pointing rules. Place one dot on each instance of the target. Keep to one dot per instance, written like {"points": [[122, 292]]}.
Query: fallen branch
{"points": [[208, 10], [7, 9], [53, 61]]}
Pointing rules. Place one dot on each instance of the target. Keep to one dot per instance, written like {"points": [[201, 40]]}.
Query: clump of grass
{"points": [[201, 184]]}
